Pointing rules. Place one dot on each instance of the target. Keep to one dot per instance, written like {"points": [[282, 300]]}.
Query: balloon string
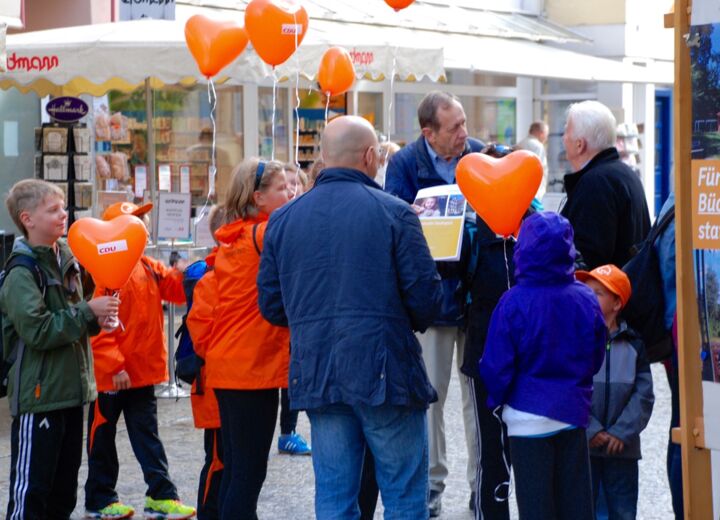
{"points": [[507, 264], [212, 100], [297, 107], [274, 108], [392, 94], [327, 107]]}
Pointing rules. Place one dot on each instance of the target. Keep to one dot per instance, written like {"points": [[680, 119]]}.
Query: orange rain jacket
{"points": [[141, 348], [246, 351], [200, 321]]}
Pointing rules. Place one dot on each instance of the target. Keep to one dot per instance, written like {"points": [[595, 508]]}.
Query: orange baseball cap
{"points": [[125, 208], [612, 278]]}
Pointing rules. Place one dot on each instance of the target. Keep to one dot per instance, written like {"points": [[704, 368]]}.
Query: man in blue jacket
{"points": [[348, 269], [431, 161]]}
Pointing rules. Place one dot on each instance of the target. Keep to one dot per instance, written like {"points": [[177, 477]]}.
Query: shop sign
{"points": [[66, 109], [156, 9], [362, 58], [31, 63], [174, 215]]}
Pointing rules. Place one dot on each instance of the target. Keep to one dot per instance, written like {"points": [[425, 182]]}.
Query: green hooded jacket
{"points": [[54, 368]]}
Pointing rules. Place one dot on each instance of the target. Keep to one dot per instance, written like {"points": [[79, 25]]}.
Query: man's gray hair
{"points": [[593, 122], [428, 108]]}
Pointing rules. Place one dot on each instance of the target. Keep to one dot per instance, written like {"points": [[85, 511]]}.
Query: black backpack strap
{"points": [[31, 265], [254, 235], [661, 225]]}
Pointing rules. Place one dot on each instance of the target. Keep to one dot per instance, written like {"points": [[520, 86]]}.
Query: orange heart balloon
{"points": [[336, 73], [500, 190], [214, 44], [276, 28], [109, 250], [399, 4]]}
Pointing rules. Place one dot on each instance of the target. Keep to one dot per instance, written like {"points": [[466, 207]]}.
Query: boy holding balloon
{"points": [[129, 361], [46, 323]]}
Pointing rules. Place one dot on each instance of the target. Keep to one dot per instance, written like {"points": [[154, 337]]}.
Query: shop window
{"points": [[478, 79], [265, 133], [182, 133], [311, 122], [370, 106]]}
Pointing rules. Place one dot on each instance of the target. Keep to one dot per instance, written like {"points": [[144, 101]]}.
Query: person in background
{"points": [[431, 161], [387, 149], [297, 180], [317, 166], [348, 269], [535, 143], [605, 199], [247, 360], [206, 414], [129, 361], [545, 342]]}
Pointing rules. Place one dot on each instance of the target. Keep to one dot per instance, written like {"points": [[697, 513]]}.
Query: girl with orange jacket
{"points": [[247, 360], [200, 321]]}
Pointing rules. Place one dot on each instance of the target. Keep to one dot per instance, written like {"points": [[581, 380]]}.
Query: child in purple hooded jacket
{"points": [[545, 343]]}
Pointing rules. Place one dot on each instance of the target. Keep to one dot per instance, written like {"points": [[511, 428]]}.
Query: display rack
{"points": [[63, 157]]}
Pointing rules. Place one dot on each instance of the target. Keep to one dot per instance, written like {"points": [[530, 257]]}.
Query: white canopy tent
{"points": [[93, 59]]}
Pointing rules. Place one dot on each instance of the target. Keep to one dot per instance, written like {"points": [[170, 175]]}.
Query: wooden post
{"points": [[697, 491]]}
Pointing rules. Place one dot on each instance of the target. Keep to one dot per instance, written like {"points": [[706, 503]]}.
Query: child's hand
{"points": [[121, 381], [103, 306], [615, 446], [599, 440]]}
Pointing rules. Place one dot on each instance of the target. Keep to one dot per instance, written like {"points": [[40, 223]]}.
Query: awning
{"points": [[96, 58]]}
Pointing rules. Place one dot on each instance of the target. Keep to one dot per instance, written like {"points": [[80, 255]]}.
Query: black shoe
{"points": [[435, 503], [472, 501]]}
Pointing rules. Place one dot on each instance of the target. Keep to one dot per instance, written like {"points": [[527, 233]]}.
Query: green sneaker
{"points": [[167, 509], [114, 511]]}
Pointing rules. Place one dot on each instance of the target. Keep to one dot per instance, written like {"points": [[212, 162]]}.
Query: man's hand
{"points": [[121, 381], [104, 306], [615, 446], [599, 440]]}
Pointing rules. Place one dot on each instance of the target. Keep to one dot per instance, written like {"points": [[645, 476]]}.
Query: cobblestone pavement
{"points": [[288, 491]]}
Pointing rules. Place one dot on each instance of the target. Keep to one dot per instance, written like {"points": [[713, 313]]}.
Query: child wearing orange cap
{"points": [[622, 397], [129, 360]]}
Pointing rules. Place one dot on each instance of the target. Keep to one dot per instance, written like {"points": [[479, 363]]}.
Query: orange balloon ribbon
{"points": [[336, 74], [399, 4], [276, 28], [108, 250], [214, 44], [500, 190]]}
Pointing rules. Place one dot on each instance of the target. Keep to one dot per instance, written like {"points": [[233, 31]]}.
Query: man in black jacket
{"points": [[606, 202]]}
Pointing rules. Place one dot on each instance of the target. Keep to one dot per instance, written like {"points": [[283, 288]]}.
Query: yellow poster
{"points": [[441, 210]]}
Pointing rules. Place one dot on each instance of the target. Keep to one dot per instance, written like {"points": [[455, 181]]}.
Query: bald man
{"points": [[347, 268]]}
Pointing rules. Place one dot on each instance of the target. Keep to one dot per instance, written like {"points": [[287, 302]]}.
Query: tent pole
{"points": [[151, 157]]}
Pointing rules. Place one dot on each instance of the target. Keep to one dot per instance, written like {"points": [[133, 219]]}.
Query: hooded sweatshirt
{"points": [[547, 334]]}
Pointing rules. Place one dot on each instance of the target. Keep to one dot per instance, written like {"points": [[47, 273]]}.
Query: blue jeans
{"points": [[619, 479], [397, 438]]}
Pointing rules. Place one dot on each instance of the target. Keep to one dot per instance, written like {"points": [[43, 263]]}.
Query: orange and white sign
{"points": [[706, 204]]}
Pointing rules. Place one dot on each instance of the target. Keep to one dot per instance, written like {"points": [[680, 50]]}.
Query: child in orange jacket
{"points": [[248, 358], [129, 361], [206, 413]]}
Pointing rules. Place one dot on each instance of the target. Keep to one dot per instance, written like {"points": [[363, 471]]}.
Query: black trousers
{"points": [[493, 451], [288, 417], [248, 420], [210, 477], [139, 408], [552, 476], [45, 454]]}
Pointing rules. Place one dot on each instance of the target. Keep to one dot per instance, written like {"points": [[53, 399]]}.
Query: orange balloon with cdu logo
{"points": [[399, 4], [500, 190], [336, 74], [276, 28], [214, 44], [108, 250]]}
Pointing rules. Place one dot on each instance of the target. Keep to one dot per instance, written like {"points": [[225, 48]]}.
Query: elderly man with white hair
{"points": [[605, 199]]}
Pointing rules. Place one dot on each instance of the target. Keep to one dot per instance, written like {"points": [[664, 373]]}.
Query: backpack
{"points": [[6, 364], [645, 311], [187, 362]]}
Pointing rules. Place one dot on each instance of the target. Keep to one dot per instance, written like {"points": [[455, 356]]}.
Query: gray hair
{"points": [[593, 122], [428, 108]]}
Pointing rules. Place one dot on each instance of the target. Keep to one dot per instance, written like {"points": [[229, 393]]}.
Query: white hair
{"points": [[593, 122]]}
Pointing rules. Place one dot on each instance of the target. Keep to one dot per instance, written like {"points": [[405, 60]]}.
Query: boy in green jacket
{"points": [[52, 376]]}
